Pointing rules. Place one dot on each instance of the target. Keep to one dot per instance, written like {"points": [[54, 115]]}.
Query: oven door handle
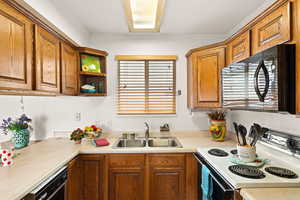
{"points": [[215, 179]]}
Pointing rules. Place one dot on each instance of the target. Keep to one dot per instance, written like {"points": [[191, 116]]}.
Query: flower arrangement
{"points": [[218, 115], [16, 125], [77, 135], [20, 128]]}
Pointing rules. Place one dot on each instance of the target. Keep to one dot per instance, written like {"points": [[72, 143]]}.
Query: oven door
{"points": [[222, 189]]}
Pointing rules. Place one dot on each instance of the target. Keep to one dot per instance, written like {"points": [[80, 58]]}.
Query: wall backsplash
{"points": [[276, 121]]}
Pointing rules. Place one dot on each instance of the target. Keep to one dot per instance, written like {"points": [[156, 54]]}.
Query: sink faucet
{"points": [[147, 131]]}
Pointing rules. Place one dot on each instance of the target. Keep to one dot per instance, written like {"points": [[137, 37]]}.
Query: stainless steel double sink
{"points": [[151, 142]]}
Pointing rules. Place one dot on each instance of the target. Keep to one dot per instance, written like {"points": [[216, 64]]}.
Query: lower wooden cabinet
{"points": [[73, 182], [92, 177], [133, 177], [125, 184], [167, 184], [126, 176]]}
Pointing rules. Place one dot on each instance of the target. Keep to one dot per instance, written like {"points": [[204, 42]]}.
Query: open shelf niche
{"points": [[95, 77]]}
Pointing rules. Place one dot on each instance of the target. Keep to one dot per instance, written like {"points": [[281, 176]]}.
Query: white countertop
{"points": [[40, 160], [271, 193]]}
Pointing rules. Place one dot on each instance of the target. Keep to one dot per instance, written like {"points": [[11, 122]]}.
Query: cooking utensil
{"points": [[243, 134], [237, 132], [256, 135]]}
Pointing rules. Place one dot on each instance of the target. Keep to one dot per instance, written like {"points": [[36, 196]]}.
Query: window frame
{"points": [[146, 59]]}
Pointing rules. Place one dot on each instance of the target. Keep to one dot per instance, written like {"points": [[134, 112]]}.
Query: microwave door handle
{"points": [[262, 96], [213, 177]]}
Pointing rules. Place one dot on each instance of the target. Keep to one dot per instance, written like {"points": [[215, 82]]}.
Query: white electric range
{"points": [[274, 159], [280, 149]]}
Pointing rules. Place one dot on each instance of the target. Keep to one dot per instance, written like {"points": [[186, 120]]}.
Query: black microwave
{"points": [[263, 82]]}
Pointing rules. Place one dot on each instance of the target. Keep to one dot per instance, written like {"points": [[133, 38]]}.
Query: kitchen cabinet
{"points": [[126, 176], [239, 48], [92, 176], [167, 176], [16, 49], [47, 59], [204, 78], [273, 29], [69, 65], [73, 182]]}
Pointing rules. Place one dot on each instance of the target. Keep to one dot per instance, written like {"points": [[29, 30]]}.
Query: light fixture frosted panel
{"points": [[144, 13]]}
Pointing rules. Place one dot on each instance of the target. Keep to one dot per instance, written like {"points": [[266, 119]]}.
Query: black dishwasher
{"points": [[51, 189]]}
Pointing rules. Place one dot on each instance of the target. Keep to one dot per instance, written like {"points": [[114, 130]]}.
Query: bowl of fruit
{"points": [[92, 132]]}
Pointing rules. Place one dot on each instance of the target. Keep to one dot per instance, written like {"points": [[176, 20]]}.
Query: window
{"points": [[146, 85]]}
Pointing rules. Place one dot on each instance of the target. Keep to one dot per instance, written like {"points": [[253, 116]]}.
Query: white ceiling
{"points": [[181, 16]]}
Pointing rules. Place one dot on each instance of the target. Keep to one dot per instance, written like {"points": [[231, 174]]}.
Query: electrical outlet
{"points": [[78, 116]]}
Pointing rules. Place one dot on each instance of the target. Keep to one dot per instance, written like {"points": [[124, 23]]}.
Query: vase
{"points": [[21, 138], [77, 141], [217, 130]]}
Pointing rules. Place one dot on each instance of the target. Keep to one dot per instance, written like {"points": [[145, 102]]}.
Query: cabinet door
{"points": [[16, 49], [126, 176], [207, 78], [47, 61], [92, 177], [167, 184], [73, 183], [273, 29], [167, 176], [126, 184], [239, 48], [68, 70]]}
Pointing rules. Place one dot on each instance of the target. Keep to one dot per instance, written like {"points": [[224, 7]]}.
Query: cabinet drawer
{"points": [[167, 160], [273, 29], [239, 48], [126, 160]]}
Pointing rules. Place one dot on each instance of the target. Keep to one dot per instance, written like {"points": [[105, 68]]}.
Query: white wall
{"points": [[58, 113], [247, 19], [76, 31], [145, 44]]}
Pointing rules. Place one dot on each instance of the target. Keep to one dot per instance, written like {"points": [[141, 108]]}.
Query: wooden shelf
{"points": [[92, 94], [93, 74]]}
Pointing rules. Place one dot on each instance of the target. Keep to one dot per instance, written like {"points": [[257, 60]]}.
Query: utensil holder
{"points": [[246, 153]]}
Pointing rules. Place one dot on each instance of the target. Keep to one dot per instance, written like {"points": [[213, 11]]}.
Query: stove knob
{"points": [[291, 145]]}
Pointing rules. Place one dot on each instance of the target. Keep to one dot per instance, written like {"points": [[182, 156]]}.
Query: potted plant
{"points": [[20, 129], [77, 135], [217, 127]]}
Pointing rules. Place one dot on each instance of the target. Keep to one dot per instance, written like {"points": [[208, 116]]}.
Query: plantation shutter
{"points": [[146, 85]]}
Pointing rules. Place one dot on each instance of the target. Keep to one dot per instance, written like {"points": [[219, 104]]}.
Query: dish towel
{"points": [[101, 142], [207, 184]]}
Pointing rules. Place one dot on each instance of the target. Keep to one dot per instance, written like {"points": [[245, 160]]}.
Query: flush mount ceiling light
{"points": [[144, 15]]}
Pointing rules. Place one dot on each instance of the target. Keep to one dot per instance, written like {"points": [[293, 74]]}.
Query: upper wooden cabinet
{"points": [[273, 29], [69, 65], [239, 48], [204, 81], [16, 35], [47, 60]]}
